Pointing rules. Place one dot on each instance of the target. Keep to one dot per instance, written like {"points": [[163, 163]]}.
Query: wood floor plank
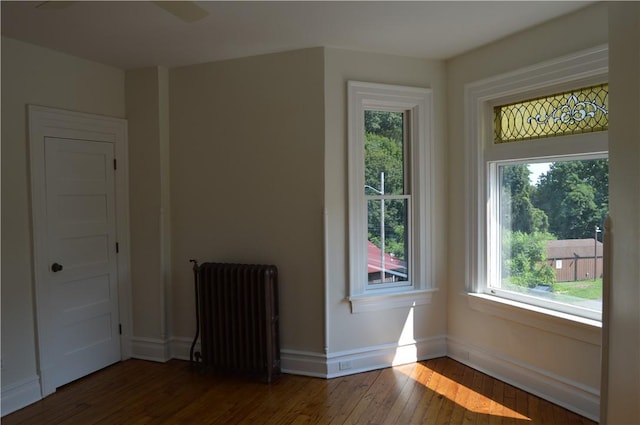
{"points": [[509, 405], [302, 404], [522, 403], [418, 396], [462, 397], [435, 392], [165, 399], [388, 402], [454, 374], [474, 402], [445, 390], [339, 400], [560, 416], [386, 393], [427, 393], [354, 397], [318, 407], [485, 402], [403, 407], [496, 408], [366, 400]]}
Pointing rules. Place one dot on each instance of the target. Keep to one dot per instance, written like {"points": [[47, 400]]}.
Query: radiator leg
{"points": [[195, 339]]}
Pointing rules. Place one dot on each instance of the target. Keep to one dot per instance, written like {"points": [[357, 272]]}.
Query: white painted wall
{"points": [[622, 385], [357, 333], [34, 75], [500, 345], [148, 117], [247, 141]]}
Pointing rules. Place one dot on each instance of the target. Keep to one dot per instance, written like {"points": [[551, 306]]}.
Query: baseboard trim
{"points": [[365, 359], [574, 396], [181, 348], [304, 363], [153, 349], [292, 361], [20, 394], [382, 356]]}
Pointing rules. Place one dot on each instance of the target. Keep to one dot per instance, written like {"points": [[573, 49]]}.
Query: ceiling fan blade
{"points": [[188, 11], [54, 4]]}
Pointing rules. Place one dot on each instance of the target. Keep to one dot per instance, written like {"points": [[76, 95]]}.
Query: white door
{"points": [[81, 250]]}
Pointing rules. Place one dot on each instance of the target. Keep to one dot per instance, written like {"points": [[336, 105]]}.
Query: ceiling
{"points": [[132, 34]]}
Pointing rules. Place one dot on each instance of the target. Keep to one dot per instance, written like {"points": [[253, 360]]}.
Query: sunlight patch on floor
{"points": [[473, 401]]}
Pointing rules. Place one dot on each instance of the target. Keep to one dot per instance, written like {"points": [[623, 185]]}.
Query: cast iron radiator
{"points": [[237, 317]]}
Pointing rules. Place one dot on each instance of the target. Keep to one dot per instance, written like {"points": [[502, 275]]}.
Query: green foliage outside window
{"points": [[524, 259], [517, 193], [387, 124], [384, 153], [575, 197], [567, 202]]}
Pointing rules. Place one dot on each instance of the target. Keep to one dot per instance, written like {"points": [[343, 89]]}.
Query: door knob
{"points": [[55, 267]]}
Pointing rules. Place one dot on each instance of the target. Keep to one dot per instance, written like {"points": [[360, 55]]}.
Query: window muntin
{"points": [[546, 240], [572, 112]]}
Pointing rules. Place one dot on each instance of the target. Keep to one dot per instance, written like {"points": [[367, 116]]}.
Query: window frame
{"points": [[583, 69], [417, 104]]}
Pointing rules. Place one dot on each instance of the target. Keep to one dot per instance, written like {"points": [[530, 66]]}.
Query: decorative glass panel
{"points": [[578, 111]]}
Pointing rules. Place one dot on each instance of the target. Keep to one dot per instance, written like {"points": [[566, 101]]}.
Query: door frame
{"points": [[50, 122]]}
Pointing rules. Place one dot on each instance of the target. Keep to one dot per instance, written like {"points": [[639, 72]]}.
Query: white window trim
{"points": [[581, 69], [418, 101]]}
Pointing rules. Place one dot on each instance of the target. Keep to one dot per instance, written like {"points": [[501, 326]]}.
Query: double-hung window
{"points": [[389, 190], [538, 184]]}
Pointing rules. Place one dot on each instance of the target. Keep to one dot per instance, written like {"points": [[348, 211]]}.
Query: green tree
{"points": [[519, 212], [575, 197], [383, 123], [524, 259], [383, 155]]}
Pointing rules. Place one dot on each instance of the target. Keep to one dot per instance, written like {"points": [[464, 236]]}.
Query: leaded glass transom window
{"points": [[578, 111]]}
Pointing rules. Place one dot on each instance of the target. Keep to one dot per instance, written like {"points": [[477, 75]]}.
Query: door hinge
{"points": [[115, 164], [117, 247], [120, 328]]}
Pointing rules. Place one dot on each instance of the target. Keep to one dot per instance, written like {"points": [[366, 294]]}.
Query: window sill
{"points": [[389, 300], [570, 326]]}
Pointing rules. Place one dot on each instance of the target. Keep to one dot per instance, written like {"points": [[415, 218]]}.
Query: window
{"points": [[389, 196], [545, 221], [538, 184]]}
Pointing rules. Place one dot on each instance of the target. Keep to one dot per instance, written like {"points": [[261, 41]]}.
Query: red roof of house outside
{"points": [[374, 261]]}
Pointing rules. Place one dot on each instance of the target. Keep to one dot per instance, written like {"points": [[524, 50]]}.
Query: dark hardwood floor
{"points": [[440, 391]]}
